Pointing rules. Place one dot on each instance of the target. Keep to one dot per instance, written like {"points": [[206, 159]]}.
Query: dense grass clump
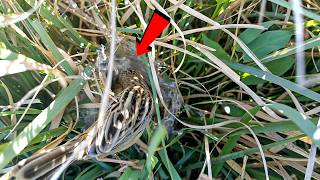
{"points": [[247, 73]]}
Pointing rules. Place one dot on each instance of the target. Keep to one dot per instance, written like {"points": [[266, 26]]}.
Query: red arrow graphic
{"points": [[156, 25]]}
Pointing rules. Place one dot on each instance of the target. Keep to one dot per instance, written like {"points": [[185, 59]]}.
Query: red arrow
{"points": [[156, 25]]}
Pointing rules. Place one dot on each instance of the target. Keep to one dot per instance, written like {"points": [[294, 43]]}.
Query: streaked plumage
{"points": [[126, 118]]}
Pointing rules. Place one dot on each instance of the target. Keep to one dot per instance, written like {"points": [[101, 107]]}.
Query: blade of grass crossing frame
{"points": [[308, 44], [272, 127], [275, 79], [158, 135], [255, 150], [305, 12], [167, 163], [47, 41], [46, 10], [130, 174]]}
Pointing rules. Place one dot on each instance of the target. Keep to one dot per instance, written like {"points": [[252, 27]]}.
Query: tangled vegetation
{"points": [[247, 71]]}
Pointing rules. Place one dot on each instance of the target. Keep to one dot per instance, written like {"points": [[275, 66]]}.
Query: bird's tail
{"points": [[43, 165]]}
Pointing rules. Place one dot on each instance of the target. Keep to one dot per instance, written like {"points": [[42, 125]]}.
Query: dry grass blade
{"points": [[210, 28], [12, 19]]}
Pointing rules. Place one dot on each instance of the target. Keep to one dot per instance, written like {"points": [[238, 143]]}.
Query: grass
{"points": [[243, 114]]}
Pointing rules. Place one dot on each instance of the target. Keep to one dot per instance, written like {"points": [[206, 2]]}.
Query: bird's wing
{"points": [[125, 120]]}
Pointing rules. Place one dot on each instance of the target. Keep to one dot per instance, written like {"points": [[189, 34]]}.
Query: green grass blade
{"points": [[305, 12], [91, 172], [302, 121], [308, 44], [272, 127], [130, 174], [167, 163], [47, 41], [243, 153], [59, 22], [159, 134], [276, 80]]}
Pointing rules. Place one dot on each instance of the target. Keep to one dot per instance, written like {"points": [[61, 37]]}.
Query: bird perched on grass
{"points": [[125, 120], [127, 115]]}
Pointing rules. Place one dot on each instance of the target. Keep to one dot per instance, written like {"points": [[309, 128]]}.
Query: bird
{"points": [[127, 116], [126, 119]]}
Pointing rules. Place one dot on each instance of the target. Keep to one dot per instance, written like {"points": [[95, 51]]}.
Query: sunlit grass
{"points": [[243, 114]]}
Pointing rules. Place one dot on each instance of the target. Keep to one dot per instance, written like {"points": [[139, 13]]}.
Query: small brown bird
{"points": [[127, 117], [125, 120]]}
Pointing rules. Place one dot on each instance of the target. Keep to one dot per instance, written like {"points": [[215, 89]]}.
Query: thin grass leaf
{"points": [[48, 135], [276, 80], [305, 12], [308, 44], [30, 111], [12, 63], [130, 174], [303, 122], [159, 134], [168, 164], [272, 127], [92, 172], [255, 150], [46, 12], [163, 152], [47, 41]]}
